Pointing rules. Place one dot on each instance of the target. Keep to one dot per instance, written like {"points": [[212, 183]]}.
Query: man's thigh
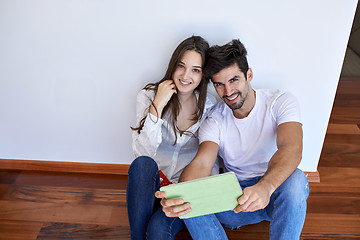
{"points": [[233, 220]]}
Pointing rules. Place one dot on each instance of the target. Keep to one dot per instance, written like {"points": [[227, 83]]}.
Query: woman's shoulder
{"points": [[218, 111], [145, 94], [210, 100]]}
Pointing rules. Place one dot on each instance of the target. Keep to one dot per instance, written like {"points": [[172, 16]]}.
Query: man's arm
{"points": [[203, 162], [282, 164], [199, 167]]}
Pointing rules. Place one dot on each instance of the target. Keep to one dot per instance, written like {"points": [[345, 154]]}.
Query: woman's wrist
{"points": [[155, 109]]}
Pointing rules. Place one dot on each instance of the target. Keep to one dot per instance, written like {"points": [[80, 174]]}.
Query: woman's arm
{"points": [[150, 105], [148, 140]]}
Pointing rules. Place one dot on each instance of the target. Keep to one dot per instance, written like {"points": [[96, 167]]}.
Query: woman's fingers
{"points": [[173, 207]]}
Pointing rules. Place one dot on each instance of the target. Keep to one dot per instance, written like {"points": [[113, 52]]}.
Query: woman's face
{"points": [[188, 72]]}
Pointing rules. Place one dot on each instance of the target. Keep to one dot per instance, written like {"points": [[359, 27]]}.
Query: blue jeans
{"points": [[146, 218], [286, 213]]}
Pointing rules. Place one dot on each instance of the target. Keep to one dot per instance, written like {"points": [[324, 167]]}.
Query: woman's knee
{"points": [[143, 164]]}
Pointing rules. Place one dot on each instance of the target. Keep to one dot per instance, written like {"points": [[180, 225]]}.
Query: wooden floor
{"points": [[51, 205]]}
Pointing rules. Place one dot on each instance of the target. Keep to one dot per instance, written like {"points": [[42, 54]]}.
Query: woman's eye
{"points": [[180, 66], [197, 70]]}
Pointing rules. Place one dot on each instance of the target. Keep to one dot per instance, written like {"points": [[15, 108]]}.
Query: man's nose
{"points": [[228, 91]]}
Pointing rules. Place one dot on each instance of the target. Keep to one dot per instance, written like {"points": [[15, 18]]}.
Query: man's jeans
{"points": [[286, 213], [146, 218]]}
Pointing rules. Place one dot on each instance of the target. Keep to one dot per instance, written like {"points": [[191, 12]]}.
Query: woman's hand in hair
{"points": [[164, 92]]}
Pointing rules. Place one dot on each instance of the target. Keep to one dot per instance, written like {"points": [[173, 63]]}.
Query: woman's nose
{"points": [[186, 74]]}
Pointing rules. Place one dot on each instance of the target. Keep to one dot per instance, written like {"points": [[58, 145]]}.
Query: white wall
{"points": [[70, 69]]}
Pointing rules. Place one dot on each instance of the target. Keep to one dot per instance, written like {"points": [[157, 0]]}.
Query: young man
{"points": [[258, 134]]}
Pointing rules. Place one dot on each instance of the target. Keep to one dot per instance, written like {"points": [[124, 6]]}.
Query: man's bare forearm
{"points": [[287, 157], [193, 171], [202, 164]]}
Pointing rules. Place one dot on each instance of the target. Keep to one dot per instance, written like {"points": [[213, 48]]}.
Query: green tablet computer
{"points": [[207, 195]]}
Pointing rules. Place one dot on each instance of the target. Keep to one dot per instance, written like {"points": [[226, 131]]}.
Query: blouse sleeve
{"points": [[149, 139]]}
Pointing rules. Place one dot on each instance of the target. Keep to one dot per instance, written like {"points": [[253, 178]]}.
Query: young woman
{"points": [[168, 115]]}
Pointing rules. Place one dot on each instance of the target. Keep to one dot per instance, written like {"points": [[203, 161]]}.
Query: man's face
{"points": [[232, 86]]}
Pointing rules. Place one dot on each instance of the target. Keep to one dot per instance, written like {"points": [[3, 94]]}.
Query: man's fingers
{"points": [[238, 209], [244, 202], [254, 206], [243, 199]]}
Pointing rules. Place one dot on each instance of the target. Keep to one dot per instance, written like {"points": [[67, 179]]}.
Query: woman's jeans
{"points": [[286, 213], [146, 218]]}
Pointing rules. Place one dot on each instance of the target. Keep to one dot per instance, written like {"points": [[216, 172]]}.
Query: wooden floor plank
{"points": [[343, 149], [342, 138], [347, 100], [345, 115], [3, 190], [18, 230], [66, 195], [337, 205], [342, 129], [49, 212], [57, 231], [349, 86], [324, 223], [326, 236], [330, 190], [340, 177], [83, 180], [119, 216], [339, 161]]}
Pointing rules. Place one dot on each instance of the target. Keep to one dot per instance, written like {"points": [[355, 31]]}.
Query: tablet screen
{"points": [[208, 195]]}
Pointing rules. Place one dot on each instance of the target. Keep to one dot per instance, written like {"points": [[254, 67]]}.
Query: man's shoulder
{"points": [[269, 94], [272, 95]]}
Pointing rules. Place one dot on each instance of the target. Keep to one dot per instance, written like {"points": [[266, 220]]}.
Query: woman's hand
{"points": [[164, 92]]}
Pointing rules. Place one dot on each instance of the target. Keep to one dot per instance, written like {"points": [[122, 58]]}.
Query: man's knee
{"points": [[296, 188]]}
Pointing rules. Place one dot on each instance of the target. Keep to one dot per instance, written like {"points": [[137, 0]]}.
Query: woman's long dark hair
{"points": [[195, 43]]}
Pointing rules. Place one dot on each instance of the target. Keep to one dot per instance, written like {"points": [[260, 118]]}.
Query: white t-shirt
{"points": [[247, 145], [157, 137]]}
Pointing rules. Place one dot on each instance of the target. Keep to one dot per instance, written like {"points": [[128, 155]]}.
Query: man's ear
{"points": [[249, 75]]}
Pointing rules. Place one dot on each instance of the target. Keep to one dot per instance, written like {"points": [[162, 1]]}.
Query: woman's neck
{"points": [[185, 97]]}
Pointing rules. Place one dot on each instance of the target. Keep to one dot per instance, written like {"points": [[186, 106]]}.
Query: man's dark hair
{"points": [[220, 57]]}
